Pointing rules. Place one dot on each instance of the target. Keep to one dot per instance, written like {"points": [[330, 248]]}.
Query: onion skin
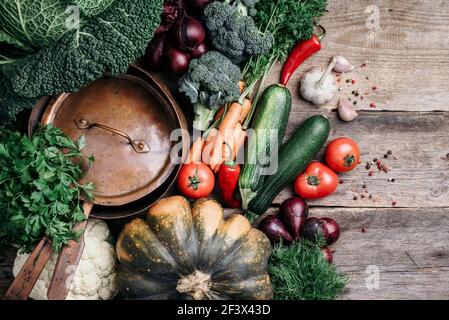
{"points": [[199, 51], [199, 4], [331, 230], [177, 60], [327, 254], [328, 227], [274, 229], [155, 52], [188, 33], [294, 213]]}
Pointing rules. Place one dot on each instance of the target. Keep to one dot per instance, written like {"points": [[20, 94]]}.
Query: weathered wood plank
{"points": [[408, 246], [420, 141], [407, 57]]}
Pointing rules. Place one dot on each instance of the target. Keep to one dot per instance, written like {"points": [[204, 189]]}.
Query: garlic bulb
{"points": [[318, 86], [343, 65], [346, 111]]}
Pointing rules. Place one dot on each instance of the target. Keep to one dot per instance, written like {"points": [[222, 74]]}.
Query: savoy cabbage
{"points": [[42, 54]]}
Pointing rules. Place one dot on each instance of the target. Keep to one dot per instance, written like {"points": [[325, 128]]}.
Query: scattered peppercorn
{"points": [[356, 94], [374, 88], [370, 196], [355, 102], [355, 198], [363, 65], [386, 156], [390, 152], [362, 196], [393, 203], [364, 186], [368, 166], [341, 182], [363, 230], [372, 105], [353, 81], [348, 80], [370, 173]]}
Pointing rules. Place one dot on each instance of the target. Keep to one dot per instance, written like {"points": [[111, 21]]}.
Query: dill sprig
{"points": [[300, 272]]}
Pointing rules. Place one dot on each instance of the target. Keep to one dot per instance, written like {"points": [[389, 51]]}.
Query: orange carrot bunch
{"points": [[212, 149]]}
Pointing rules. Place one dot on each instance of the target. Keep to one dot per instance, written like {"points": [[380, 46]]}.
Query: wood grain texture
{"points": [[407, 59]]}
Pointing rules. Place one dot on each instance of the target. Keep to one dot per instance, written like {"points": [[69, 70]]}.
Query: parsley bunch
{"points": [[39, 192]]}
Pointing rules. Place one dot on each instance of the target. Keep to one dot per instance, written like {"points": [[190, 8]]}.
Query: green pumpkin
{"points": [[193, 253]]}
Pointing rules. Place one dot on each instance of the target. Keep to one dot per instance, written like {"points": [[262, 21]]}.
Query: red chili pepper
{"points": [[228, 179], [301, 52]]}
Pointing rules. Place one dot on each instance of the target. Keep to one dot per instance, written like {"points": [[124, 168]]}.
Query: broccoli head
{"points": [[233, 32], [210, 82]]}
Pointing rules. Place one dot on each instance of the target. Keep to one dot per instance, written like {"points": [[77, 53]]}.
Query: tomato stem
{"points": [[349, 160], [313, 180], [195, 180]]}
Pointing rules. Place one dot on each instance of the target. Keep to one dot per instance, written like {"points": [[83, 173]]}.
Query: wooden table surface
{"points": [[400, 236]]}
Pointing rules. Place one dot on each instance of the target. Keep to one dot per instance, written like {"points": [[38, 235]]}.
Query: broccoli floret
{"points": [[234, 33], [108, 42], [210, 82], [247, 7]]}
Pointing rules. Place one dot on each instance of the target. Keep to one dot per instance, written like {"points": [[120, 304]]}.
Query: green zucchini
{"points": [[270, 121], [294, 156]]}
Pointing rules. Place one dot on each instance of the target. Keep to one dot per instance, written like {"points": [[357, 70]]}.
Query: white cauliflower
{"points": [[95, 277]]}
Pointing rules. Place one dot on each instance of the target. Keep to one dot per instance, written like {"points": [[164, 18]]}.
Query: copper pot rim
{"points": [[164, 186]]}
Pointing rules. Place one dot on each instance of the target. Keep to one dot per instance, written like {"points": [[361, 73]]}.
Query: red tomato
{"points": [[317, 181], [196, 180], [342, 154]]}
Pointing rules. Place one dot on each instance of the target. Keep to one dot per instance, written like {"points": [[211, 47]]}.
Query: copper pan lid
{"points": [[127, 125]]}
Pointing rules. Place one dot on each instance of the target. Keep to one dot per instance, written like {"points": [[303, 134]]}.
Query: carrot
{"points": [[231, 118], [209, 146], [242, 86], [196, 151], [216, 154], [246, 109], [239, 140], [219, 113]]}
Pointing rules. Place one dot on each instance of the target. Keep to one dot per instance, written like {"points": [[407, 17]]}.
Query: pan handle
{"points": [[139, 146], [68, 261], [25, 280]]}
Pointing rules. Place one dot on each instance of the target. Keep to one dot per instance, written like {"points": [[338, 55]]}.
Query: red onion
{"points": [[293, 213], [188, 33], [332, 230], [200, 4], [199, 51], [327, 253], [328, 227], [155, 52], [177, 60], [274, 229]]}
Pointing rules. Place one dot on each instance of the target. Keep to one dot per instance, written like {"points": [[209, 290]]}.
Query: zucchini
{"points": [[272, 113], [294, 157]]}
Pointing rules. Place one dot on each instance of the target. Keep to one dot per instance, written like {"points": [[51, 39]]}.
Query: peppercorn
{"points": [[386, 156], [356, 198], [368, 166], [390, 152], [370, 173]]}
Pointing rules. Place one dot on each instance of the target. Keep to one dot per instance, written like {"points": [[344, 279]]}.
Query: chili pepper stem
{"points": [[327, 72]]}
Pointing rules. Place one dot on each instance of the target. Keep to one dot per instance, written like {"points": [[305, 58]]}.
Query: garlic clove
{"points": [[343, 65], [346, 111]]}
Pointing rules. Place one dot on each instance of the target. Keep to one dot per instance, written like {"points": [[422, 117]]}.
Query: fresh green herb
{"points": [[289, 21], [300, 272], [39, 192]]}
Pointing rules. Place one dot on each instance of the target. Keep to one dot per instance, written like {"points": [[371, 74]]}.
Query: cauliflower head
{"points": [[95, 277]]}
